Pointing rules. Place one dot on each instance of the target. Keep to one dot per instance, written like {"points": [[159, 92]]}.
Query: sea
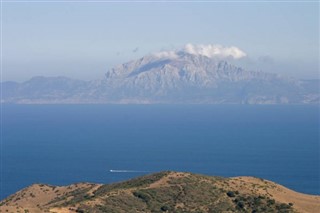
{"points": [[64, 144]]}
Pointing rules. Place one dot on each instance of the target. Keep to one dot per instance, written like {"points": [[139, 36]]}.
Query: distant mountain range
{"points": [[164, 192], [179, 77]]}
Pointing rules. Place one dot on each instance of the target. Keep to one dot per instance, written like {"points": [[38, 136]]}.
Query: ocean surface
{"points": [[63, 144]]}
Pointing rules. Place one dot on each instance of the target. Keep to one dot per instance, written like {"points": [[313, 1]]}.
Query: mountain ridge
{"points": [[178, 78]]}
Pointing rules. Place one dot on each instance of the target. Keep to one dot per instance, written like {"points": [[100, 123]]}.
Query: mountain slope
{"points": [[168, 78], [164, 192], [199, 79]]}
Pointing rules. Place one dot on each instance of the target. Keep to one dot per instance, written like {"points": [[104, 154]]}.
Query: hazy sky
{"points": [[82, 40]]}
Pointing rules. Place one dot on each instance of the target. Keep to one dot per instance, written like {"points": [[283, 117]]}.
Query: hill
{"points": [[163, 192]]}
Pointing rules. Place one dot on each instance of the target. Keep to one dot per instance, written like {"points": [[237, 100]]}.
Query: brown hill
{"points": [[163, 192]]}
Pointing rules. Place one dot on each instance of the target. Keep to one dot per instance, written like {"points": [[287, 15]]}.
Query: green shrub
{"points": [[240, 204], [80, 211], [143, 196], [165, 208], [231, 194]]}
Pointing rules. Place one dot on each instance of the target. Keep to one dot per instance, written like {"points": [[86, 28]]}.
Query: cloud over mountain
{"points": [[210, 51]]}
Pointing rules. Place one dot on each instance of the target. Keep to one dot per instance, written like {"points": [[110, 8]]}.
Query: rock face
{"points": [[163, 192], [165, 78]]}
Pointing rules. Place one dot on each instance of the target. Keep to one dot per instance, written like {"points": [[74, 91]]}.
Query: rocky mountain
{"points": [[163, 192], [169, 77], [188, 78]]}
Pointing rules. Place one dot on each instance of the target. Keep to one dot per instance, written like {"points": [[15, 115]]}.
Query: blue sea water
{"points": [[63, 144]]}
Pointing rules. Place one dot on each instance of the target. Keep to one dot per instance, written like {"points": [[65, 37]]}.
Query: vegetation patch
{"points": [[134, 183], [251, 203]]}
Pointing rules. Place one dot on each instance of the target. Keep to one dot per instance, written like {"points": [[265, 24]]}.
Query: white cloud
{"points": [[166, 54], [214, 50], [210, 51]]}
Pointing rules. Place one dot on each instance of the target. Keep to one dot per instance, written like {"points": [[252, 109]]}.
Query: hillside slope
{"points": [[163, 192]]}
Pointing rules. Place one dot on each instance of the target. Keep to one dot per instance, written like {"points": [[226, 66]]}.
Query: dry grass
{"points": [[35, 198], [302, 202], [176, 191]]}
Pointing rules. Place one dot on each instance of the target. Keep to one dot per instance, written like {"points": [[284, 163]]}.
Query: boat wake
{"points": [[124, 171]]}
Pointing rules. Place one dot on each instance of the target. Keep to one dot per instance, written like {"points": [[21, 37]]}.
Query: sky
{"points": [[83, 40]]}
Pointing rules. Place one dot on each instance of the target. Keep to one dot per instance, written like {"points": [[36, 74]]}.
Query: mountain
{"points": [[188, 78], [169, 77], [163, 192]]}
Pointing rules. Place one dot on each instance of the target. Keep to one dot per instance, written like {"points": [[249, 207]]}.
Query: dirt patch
{"points": [[302, 202]]}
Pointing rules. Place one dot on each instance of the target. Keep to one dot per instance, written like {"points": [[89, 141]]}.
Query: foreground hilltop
{"points": [[163, 192]]}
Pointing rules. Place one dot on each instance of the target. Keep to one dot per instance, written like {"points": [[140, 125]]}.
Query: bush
{"points": [[80, 211], [271, 202], [240, 205], [231, 194], [143, 196], [165, 208]]}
